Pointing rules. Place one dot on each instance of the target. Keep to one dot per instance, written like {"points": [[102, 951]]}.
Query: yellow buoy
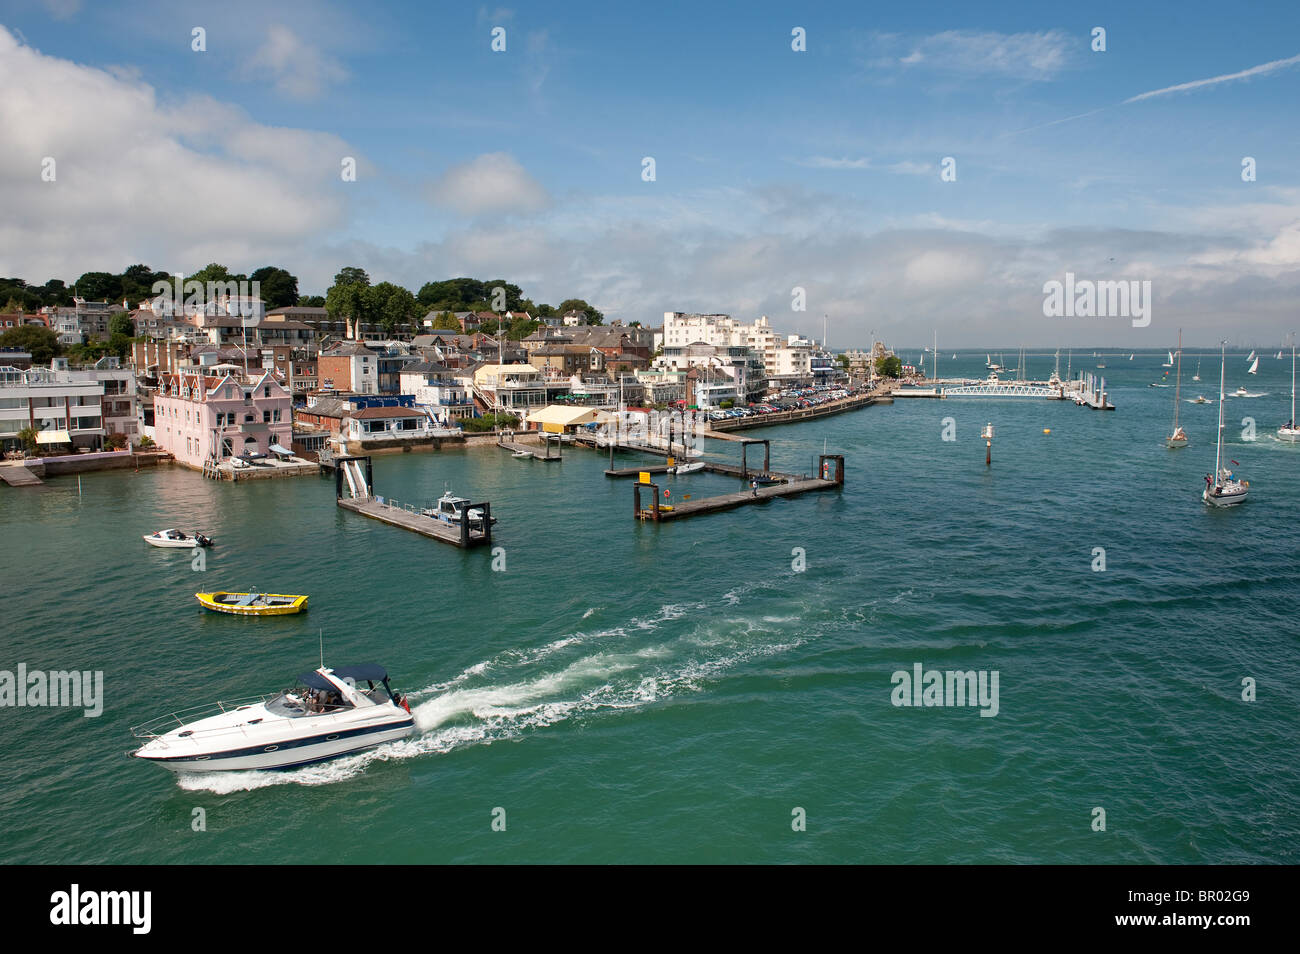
{"points": [[1047, 430]]}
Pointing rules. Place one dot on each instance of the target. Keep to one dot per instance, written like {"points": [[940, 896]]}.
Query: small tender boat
{"points": [[253, 604], [1200, 399], [177, 539], [687, 468], [520, 455], [764, 480], [1241, 392], [328, 715]]}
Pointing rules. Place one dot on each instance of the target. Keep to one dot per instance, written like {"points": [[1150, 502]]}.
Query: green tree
{"points": [[41, 342], [389, 305], [279, 288], [99, 286], [889, 366], [12, 307], [28, 436], [312, 301], [137, 282], [594, 317], [121, 324], [345, 300], [521, 328], [446, 321]]}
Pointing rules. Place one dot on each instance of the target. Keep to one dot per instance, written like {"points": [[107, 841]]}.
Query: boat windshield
{"points": [[303, 701]]}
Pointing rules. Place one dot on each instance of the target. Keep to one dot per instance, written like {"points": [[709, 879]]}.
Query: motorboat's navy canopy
{"points": [[372, 672]]}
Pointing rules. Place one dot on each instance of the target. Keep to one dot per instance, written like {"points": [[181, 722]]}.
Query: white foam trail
{"points": [[460, 715]]}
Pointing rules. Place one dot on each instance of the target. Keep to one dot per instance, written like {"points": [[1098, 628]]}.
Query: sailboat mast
{"points": [[1293, 379], [1178, 383], [1218, 447]]}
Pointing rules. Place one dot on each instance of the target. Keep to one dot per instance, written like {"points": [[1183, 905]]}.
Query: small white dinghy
{"points": [[689, 468], [177, 540]]}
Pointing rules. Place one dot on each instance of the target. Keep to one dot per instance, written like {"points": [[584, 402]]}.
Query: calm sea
{"points": [[626, 692]]}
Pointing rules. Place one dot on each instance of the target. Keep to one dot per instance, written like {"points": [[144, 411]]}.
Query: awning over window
{"points": [[53, 437]]}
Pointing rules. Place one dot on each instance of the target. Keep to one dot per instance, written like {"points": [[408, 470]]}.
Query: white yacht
{"points": [[327, 716], [1224, 489], [449, 509], [1290, 431]]}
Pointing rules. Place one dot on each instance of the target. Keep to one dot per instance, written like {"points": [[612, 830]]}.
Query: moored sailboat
{"points": [[1223, 489], [1178, 437]]}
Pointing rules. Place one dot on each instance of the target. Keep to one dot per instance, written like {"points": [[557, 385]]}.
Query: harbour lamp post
{"points": [[987, 434]]}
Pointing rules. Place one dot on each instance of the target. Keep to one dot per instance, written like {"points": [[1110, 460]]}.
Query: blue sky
{"points": [[774, 169]]}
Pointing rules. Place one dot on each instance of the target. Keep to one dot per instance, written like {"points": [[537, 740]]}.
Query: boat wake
{"points": [[576, 677]]}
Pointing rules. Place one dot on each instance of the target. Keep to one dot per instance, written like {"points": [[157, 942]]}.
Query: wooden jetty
{"points": [[515, 447], [635, 471], [16, 475], [830, 470], [361, 499]]}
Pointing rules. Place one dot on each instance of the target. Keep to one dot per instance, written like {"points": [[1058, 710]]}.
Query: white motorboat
{"points": [[177, 539], [1241, 392], [690, 467], [328, 715], [521, 454], [449, 509], [1201, 399], [1289, 431], [1224, 489]]}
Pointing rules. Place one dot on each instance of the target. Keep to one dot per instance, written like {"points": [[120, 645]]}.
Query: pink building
{"points": [[212, 417]]}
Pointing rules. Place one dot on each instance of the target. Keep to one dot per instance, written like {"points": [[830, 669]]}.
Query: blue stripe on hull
{"points": [[292, 744]]}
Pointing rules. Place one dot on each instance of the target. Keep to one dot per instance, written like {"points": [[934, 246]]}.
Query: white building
{"points": [[65, 406]]}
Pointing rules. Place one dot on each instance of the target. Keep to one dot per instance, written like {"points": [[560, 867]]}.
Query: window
{"points": [[266, 392], [275, 415], [266, 417]]}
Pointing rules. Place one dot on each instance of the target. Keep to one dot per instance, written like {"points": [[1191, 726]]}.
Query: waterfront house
{"points": [[509, 388], [212, 414], [65, 406]]}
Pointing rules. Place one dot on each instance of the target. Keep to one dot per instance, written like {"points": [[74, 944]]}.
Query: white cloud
{"points": [[829, 162], [296, 68], [492, 183], [62, 9], [169, 184], [1260, 70], [1034, 56]]}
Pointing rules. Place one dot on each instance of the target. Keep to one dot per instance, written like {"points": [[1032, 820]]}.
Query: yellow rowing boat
{"points": [[253, 604]]}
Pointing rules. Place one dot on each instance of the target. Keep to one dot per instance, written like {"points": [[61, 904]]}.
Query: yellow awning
{"points": [[53, 437]]}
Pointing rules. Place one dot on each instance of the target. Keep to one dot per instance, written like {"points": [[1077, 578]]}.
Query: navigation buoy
{"points": [[1047, 430]]}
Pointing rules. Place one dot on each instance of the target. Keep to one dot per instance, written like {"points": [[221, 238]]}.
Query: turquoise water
{"points": [[673, 693]]}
